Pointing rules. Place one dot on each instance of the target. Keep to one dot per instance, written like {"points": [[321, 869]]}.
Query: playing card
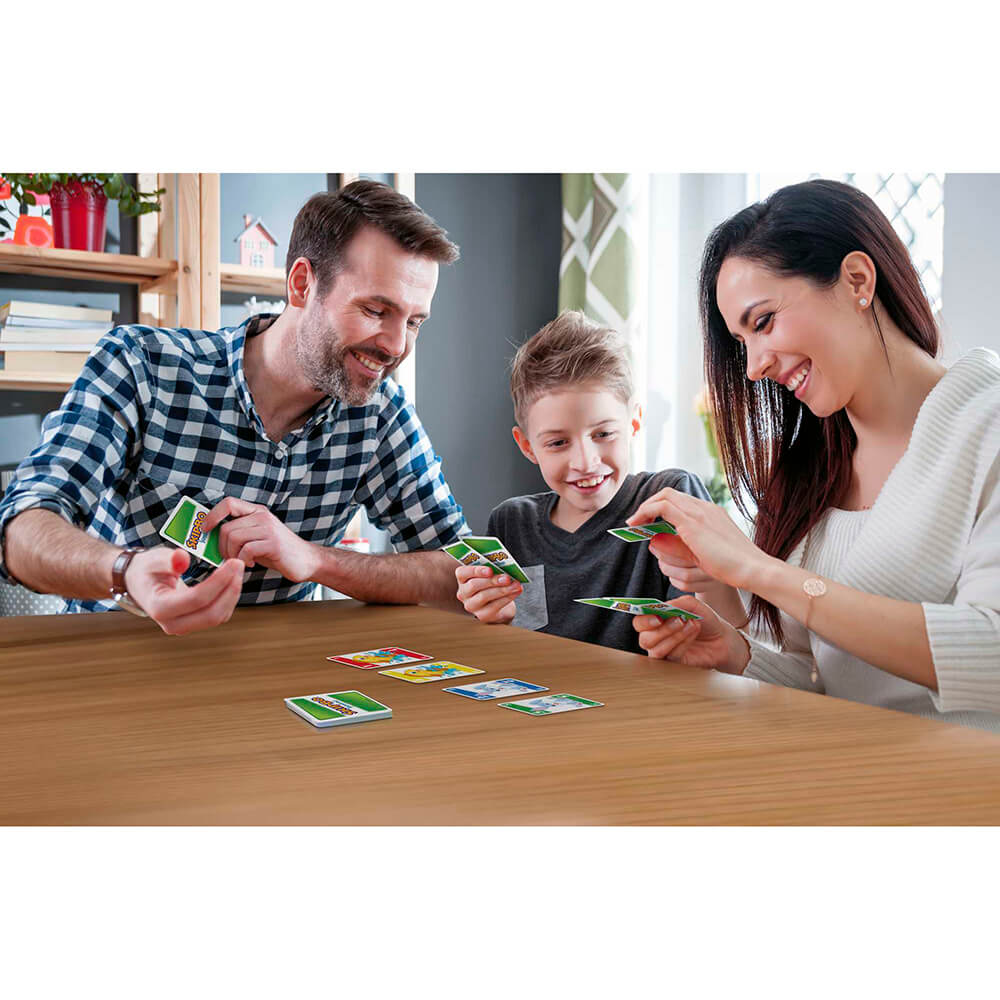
{"points": [[338, 708], [372, 659], [550, 704], [640, 606], [439, 670], [506, 687], [642, 532], [183, 528], [475, 550]]}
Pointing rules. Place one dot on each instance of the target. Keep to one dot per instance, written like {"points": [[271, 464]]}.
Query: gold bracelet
{"points": [[813, 587]]}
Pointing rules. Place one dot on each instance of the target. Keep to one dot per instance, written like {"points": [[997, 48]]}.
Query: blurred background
{"points": [[623, 247]]}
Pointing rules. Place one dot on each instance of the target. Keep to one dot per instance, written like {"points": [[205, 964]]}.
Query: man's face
{"points": [[367, 323]]}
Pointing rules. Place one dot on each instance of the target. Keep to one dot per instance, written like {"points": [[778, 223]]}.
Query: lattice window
{"points": [[913, 203]]}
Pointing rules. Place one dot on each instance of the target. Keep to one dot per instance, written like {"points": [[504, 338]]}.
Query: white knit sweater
{"points": [[933, 538]]}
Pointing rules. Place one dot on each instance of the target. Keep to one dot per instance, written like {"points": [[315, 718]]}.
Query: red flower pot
{"points": [[78, 212]]}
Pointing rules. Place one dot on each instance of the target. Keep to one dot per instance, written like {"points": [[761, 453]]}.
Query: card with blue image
{"points": [[506, 687]]}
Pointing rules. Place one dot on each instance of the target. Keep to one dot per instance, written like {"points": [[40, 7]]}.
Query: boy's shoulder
{"points": [[528, 505], [648, 483]]}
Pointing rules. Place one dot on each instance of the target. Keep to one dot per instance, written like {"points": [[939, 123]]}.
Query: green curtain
{"points": [[601, 267]]}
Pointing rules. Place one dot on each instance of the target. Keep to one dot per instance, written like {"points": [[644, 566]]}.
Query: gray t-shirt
{"points": [[588, 562]]}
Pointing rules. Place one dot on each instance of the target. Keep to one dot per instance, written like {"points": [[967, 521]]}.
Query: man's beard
{"points": [[322, 358]]}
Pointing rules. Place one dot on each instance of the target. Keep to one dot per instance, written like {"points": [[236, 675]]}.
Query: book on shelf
{"points": [[48, 323], [67, 363], [49, 310], [55, 346], [84, 337]]}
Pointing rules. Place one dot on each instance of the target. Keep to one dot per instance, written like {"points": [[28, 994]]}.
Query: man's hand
{"points": [[487, 596], [153, 580], [254, 535]]}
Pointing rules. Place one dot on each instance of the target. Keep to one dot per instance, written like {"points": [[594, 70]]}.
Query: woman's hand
{"points": [[707, 532], [711, 644]]}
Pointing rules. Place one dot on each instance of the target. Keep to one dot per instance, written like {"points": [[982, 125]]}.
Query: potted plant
{"points": [[78, 203]]}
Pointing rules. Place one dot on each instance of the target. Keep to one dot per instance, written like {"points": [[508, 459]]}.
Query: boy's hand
{"points": [[487, 596]]}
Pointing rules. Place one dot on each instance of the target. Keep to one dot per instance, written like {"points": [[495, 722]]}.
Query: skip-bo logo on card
{"points": [[343, 709], [496, 557], [195, 536]]}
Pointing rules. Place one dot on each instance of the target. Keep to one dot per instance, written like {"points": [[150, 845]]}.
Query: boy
{"points": [[572, 390]]}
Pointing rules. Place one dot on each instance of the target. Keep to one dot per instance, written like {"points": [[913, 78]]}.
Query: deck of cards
{"points": [[339, 708], [485, 550], [183, 528], [640, 606], [643, 532]]}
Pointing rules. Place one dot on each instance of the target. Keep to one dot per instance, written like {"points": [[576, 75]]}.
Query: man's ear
{"points": [[524, 444], [636, 419], [301, 283]]}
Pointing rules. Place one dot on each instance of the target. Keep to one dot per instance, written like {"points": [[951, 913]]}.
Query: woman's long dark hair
{"points": [[790, 463]]}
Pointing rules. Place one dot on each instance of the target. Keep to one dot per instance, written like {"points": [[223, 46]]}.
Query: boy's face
{"points": [[579, 439]]}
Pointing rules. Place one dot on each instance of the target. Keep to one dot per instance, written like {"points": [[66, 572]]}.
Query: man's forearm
{"points": [[404, 578], [48, 554]]}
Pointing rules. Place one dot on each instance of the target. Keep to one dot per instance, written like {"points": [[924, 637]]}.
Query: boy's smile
{"points": [[579, 439]]}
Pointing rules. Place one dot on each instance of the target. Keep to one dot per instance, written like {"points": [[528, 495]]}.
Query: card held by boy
{"points": [[485, 550]]}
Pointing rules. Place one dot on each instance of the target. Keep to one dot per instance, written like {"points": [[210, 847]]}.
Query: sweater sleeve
{"points": [[791, 666], [964, 636]]}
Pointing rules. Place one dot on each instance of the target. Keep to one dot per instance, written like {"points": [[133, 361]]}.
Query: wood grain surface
{"points": [[104, 720]]}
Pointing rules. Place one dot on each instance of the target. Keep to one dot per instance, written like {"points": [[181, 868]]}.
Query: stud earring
{"points": [[863, 303]]}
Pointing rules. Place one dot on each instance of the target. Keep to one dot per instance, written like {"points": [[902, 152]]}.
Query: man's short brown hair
{"points": [[567, 352], [328, 222]]}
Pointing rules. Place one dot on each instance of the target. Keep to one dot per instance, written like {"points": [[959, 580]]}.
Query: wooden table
{"points": [[104, 720]]}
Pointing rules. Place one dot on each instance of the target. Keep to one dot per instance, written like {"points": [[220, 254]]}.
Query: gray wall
{"points": [[971, 263], [504, 288]]}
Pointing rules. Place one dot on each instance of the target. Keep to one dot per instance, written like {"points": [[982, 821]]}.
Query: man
{"points": [[282, 426]]}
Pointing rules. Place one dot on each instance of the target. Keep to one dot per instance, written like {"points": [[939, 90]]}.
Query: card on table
{"points": [[550, 704], [640, 606], [485, 550], [439, 670], [642, 532], [372, 659], [183, 528], [338, 708], [506, 687]]}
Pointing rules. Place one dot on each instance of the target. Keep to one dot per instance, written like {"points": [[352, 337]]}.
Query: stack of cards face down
{"points": [[344, 707]]}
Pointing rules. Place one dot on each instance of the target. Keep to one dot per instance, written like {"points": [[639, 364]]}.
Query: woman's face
{"points": [[814, 342]]}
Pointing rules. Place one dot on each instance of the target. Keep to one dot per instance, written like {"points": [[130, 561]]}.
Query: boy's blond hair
{"points": [[570, 350]]}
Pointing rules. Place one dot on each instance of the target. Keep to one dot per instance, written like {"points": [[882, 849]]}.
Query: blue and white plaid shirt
{"points": [[157, 414]]}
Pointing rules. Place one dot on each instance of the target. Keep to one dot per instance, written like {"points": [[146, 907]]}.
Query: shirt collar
{"points": [[326, 409]]}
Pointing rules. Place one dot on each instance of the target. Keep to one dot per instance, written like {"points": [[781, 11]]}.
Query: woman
{"points": [[874, 568]]}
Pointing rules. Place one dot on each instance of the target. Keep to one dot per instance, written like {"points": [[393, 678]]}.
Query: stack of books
{"points": [[41, 338]]}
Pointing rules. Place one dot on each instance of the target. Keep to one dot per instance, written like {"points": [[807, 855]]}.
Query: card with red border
{"points": [[379, 659]]}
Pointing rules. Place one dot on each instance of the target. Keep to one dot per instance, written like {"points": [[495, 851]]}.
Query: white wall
{"points": [[971, 264], [684, 208]]}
